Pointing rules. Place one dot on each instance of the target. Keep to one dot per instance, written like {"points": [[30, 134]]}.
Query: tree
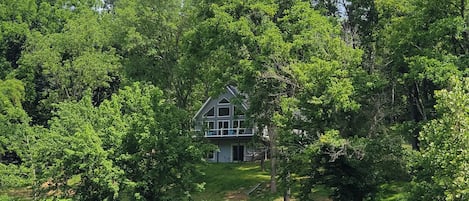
{"points": [[278, 50], [133, 146], [416, 35], [159, 153], [16, 18], [149, 36], [13, 123], [77, 161], [62, 65], [440, 169]]}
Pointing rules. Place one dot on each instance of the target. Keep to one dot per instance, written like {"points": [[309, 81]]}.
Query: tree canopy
{"points": [[97, 97]]}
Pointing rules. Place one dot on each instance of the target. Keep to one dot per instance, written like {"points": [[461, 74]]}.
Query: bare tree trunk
{"points": [[263, 163], [273, 158], [287, 193]]}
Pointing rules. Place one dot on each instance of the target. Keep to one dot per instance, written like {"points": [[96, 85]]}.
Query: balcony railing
{"points": [[229, 132]]}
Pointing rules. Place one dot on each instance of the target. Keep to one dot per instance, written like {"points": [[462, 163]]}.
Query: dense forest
{"points": [[97, 96]]}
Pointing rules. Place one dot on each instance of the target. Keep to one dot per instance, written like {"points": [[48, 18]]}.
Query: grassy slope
{"points": [[15, 194], [231, 181], [225, 180]]}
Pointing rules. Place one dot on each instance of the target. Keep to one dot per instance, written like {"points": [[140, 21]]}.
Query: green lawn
{"points": [[225, 180], [396, 191], [232, 181], [15, 194]]}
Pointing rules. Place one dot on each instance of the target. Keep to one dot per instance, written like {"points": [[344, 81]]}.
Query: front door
{"points": [[238, 152]]}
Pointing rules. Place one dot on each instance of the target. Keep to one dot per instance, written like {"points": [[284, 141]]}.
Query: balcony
{"points": [[229, 132]]}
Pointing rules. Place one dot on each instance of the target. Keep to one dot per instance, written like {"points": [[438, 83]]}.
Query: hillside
{"points": [[233, 181]]}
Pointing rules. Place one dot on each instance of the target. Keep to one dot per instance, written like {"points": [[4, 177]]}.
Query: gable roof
{"points": [[232, 90], [235, 92]]}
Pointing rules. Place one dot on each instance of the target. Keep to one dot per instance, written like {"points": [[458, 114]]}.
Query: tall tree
{"points": [[440, 170], [133, 146], [422, 44], [149, 36], [276, 50], [62, 65], [16, 19], [13, 119]]}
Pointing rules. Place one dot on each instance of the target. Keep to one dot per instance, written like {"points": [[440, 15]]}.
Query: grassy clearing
{"points": [[395, 191], [224, 181], [15, 194], [232, 181]]}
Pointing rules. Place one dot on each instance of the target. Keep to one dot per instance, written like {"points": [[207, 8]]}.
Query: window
{"points": [[238, 124], [223, 127], [223, 111], [211, 125], [210, 155], [211, 128], [210, 113], [239, 127], [224, 101]]}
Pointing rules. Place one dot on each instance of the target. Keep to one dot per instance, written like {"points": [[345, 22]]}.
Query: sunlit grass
{"points": [[223, 179], [232, 181], [15, 194], [395, 191]]}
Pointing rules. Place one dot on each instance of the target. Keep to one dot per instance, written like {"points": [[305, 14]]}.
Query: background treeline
{"points": [[96, 97]]}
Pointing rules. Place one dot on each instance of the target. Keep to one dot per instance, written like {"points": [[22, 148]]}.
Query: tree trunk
{"points": [[273, 158], [263, 164], [287, 193]]}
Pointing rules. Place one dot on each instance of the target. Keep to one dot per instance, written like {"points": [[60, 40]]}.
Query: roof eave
{"points": [[201, 108]]}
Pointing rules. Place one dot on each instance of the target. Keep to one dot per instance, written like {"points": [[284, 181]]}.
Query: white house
{"points": [[224, 124]]}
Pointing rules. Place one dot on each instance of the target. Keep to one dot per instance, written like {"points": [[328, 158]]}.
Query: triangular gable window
{"points": [[224, 101], [210, 113]]}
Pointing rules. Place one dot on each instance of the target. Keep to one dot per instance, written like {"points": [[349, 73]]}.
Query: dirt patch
{"points": [[235, 195]]}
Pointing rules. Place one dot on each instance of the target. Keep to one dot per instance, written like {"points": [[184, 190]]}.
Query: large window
{"points": [[238, 124], [223, 127], [239, 127], [223, 111], [211, 128]]}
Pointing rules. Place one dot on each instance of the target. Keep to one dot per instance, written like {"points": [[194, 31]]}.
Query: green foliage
{"points": [[439, 72], [62, 59], [12, 175], [440, 170], [11, 96], [337, 116], [423, 44], [158, 57], [13, 123], [73, 137], [130, 145]]}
